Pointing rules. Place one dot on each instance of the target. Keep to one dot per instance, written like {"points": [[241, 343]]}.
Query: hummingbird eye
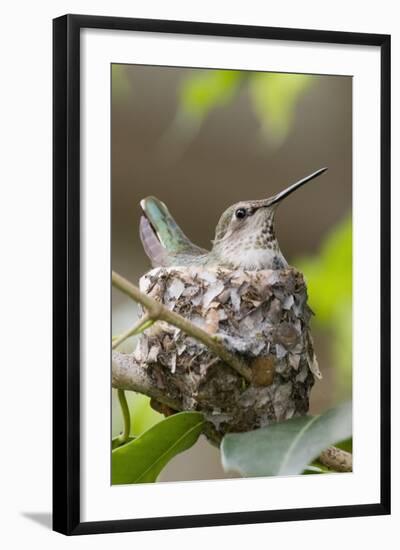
{"points": [[241, 213]]}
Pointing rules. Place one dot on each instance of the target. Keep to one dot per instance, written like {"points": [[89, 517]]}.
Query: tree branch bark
{"points": [[128, 374], [337, 459]]}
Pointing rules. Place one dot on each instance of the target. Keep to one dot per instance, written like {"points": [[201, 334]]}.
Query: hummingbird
{"points": [[244, 236]]}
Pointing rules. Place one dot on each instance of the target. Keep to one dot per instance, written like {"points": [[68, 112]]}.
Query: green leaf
{"points": [[206, 90], [275, 97], [346, 445], [313, 469], [285, 448], [142, 460], [316, 467]]}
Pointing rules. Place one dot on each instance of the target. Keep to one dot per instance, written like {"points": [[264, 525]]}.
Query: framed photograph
{"points": [[221, 274]]}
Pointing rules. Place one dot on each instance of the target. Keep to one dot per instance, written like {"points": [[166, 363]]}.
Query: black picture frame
{"points": [[66, 273]]}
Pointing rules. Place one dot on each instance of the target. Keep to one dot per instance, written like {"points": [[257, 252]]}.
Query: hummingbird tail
{"points": [[167, 230], [163, 240], [151, 244]]}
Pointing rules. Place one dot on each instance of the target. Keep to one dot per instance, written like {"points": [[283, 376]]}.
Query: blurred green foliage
{"points": [[206, 90], [120, 85], [329, 281], [329, 273], [143, 416], [273, 96]]}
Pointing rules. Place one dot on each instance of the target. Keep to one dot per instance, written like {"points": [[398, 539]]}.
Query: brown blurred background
{"points": [[200, 153]]}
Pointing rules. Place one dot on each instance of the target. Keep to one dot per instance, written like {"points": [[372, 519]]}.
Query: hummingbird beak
{"points": [[289, 190]]}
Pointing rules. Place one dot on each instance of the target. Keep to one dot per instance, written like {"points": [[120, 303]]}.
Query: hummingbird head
{"points": [[245, 235]]}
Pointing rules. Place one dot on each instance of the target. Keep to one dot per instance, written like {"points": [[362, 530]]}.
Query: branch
{"points": [[128, 374], [157, 312], [336, 459]]}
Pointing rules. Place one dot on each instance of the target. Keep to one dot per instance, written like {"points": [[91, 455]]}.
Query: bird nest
{"points": [[261, 316]]}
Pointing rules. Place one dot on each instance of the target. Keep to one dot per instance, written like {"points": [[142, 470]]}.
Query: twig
{"points": [[157, 312], [143, 323], [337, 459], [123, 438]]}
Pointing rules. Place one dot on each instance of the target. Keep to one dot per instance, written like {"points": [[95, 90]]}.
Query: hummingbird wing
{"points": [[163, 240]]}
